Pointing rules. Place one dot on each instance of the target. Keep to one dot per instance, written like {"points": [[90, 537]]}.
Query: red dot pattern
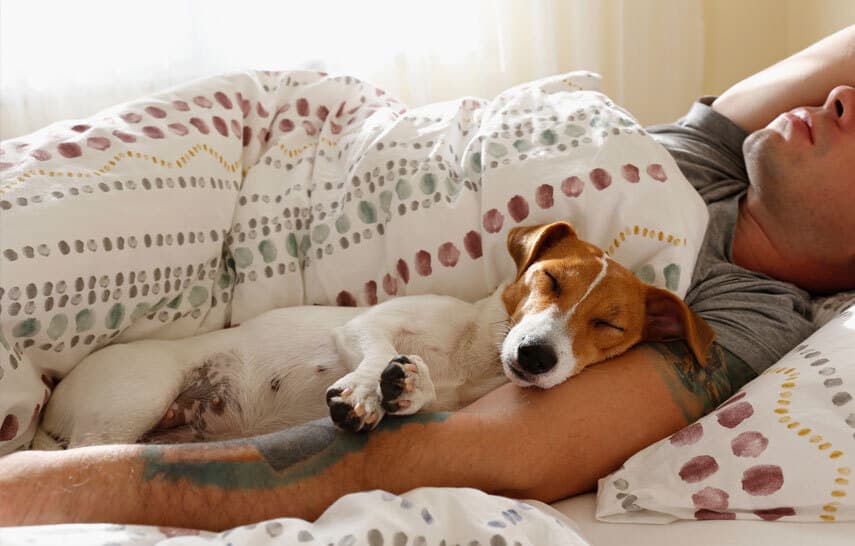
{"points": [[543, 196], [155, 112], [124, 137], [733, 415], [403, 271], [711, 498], [698, 468], [152, 132], [345, 299], [630, 173], [758, 480], [600, 178], [220, 125], [371, 292], [762, 479], [41, 155], [472, 244], [572, 186], [221, 99], [390, 285], [423, 265], [200, 125], [98, 143], [773, 514], [749, 444], [69, 149], [518, 208], [448, 254], [9, 428], [493, 220], [179, 129], [203, 102], [688, 436], [224, 100]]}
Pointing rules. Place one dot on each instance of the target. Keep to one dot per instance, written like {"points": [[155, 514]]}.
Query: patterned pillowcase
{"points": [[825, 309], [782, 448]]}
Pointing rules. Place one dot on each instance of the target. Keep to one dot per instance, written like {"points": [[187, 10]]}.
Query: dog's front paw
{"points": [[354, 403], [406, 385]]}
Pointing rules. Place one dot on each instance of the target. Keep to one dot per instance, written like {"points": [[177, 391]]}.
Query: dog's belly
{"points": [[254, 380]]}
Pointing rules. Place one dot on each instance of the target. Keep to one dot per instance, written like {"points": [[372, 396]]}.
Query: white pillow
{"points": [[782, 448]]}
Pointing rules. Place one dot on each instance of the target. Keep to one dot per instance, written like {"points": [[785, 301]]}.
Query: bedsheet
{"points": [[581, 511], [428, 516], [425, 516], [210, 203]]}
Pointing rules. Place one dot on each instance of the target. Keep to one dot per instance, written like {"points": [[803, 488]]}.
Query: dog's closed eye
{"points": [[555, 286], [604, 324]]}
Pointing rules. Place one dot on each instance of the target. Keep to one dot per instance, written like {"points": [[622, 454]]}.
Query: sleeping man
{"points": [[773, 160]]}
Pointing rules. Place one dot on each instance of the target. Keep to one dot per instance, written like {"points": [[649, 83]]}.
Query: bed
{"points": [[207, 204]]}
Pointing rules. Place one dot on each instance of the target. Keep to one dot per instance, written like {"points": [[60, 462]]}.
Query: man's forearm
{"points": [[803, 79], [296, 472], [517, 442]]}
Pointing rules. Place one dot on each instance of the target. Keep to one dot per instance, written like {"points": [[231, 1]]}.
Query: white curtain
{"points": [[62, 60]]}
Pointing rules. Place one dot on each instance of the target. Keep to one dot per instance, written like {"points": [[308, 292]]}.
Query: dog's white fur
{"points": [[121, 392]]}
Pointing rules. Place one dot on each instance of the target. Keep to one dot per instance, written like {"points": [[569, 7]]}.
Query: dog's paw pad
{"points": [[344, 417], [406, 385], [393, 381], [351, 410]]}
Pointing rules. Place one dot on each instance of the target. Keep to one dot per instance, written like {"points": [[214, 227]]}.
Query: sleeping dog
{"points": [[569, 306]]}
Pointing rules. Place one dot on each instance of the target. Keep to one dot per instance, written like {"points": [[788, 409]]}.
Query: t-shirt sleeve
{"points": [[708, 148], [756, 317]]}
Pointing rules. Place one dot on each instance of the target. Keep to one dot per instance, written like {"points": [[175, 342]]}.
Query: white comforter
{"points": [[210, 203]]}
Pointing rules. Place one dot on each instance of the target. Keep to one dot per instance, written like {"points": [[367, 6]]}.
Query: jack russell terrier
{"points": [[569, 306]]}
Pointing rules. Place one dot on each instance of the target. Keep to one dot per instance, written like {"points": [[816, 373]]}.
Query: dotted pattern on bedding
{"points": [[206, 205]]}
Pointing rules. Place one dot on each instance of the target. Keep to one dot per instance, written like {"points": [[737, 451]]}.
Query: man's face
{"points": [[802, 173]]}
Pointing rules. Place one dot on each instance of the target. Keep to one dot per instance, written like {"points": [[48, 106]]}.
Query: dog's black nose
{"points": [[536, 358]]}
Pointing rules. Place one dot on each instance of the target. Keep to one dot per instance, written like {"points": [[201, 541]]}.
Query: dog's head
{"points": [[571, 306]]}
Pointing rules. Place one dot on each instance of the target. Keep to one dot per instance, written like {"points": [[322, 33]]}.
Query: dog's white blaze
{"points": [[597, 280], [549, 325], [562, 340]]}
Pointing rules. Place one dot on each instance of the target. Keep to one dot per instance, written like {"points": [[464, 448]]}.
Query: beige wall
{"points": [[744, 36]]}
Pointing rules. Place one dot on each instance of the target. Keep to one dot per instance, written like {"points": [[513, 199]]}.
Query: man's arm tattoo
{"points": [[710, 385], [274, 460]]}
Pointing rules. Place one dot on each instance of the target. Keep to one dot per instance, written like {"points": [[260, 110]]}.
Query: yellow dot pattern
{"points": [[297, 152], [179, 162], [841, 482], [644, 233]]}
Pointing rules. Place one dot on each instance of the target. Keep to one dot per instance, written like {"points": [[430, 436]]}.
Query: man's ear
{"points": [[526, 243], [669, 318]]}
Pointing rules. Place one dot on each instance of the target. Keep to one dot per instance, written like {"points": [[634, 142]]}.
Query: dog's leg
{"points": [[382, 382], [136, 384]]}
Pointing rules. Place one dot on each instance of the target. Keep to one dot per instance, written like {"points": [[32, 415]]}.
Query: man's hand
{"points": [[803, 79]]}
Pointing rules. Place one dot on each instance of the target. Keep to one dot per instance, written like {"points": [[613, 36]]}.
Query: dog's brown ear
{"points": [[526, 243], [669, 318]]}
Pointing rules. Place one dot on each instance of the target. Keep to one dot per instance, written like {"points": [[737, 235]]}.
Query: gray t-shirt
{"points": [[755, 316]]}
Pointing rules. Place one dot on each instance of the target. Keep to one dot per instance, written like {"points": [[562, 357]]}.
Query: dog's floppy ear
{"points": [[526, 243], [669, 319]]}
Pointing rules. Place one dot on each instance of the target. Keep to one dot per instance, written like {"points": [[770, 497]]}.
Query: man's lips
{"points": [[802, 123]]}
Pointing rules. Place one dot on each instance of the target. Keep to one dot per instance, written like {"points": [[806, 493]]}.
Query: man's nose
{"points": [[841, 103]]}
